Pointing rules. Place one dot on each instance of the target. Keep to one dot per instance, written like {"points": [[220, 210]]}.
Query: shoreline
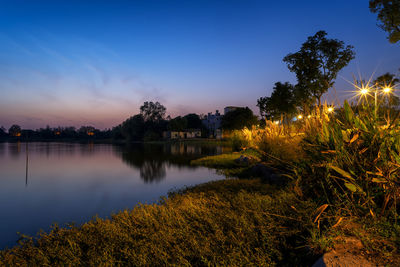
{"points": [[228, 222]]}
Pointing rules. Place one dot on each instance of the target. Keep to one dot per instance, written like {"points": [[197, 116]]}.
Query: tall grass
{"points": [[354, 163], [349, 159], [278, 141]]}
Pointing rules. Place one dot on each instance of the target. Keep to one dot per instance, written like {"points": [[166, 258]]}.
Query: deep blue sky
{"points": [[93, 62]]}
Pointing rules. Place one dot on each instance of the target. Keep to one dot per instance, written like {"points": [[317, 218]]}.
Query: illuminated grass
{"points": [[226, 161], [229, 222]]}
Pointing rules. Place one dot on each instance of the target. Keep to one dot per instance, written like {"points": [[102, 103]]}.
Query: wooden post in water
{"points": [[26, 168]]}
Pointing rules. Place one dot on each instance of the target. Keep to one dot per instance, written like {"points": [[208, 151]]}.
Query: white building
{"points": [[212, 122]]}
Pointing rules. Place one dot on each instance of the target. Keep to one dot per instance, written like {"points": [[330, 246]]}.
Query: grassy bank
{"points": [[229, 222], [347, 164]]}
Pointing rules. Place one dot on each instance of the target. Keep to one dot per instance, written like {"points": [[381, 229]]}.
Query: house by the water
{"points": [[186, 134]]}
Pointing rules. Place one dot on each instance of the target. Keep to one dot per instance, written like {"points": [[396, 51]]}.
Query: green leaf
{"points": [[342, 172], [379, 180], [351, 187], [348, 112], [395, 156]]}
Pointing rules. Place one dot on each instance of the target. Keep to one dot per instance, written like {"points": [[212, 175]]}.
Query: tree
{"points": [[238, 119], [3, 132], [317, 64], [133, 128], [152, 111], [389, 16], [178, 124], [15, 130], [193, 121], [281, 102]]}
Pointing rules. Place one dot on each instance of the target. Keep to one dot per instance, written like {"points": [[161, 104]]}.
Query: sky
{"points": [[73, 63]]}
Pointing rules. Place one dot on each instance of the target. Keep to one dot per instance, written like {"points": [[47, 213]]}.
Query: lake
{"points": [[71, 182]]}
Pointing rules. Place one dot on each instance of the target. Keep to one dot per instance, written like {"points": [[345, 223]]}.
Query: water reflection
{"points": [[152, 159], [43, 183], [2, 149], [15, 150]]}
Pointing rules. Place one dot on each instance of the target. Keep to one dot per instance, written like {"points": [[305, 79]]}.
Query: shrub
{"points": [[354, 163]]}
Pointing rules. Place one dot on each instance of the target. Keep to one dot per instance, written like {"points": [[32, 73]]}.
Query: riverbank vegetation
{"points": [[230, 222], [346, 162]]}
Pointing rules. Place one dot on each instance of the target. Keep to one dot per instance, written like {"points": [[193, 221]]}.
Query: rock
{"points": [[267, 174], [334, 259], [345, 255], [243, 160]]}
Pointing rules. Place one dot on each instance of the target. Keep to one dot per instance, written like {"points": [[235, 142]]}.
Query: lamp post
{"points": [[365, 90]]}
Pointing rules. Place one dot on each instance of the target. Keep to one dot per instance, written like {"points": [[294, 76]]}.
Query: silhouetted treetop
{"points": [[318, 62], [152, 111], [389, 16]]}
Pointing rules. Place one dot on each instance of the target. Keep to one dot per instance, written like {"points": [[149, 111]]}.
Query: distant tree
{"points": [[69, 132], [15, 130], [3, 132], [178, 124], [386, 79], [152, 111], [193, 121], [389, 16], [317, 64], [46, 133], [86, 131], [282, 102], [133, 128], [238, 119]]}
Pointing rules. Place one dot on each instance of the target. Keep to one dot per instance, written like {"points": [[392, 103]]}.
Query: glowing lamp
{"points": [[364, 91], [387, 90]]}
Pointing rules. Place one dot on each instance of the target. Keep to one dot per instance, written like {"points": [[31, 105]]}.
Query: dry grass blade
{"points": [[319, 211], [338, 222]]}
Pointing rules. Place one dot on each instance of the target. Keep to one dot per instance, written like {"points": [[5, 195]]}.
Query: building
{"points": [[186, 134], [212, 122]]}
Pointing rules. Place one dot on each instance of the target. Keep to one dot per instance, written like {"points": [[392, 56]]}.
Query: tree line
{"points": [[148, 125]]}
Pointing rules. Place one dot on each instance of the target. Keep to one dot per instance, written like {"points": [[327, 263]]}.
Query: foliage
{"points": [[14, 130], [228, 160], [3, 132], [281, 102], [230, 222], [59, 133], [277, 141], [238, 118], [353, 163], [178, 124], [193, 121], [317, 64], [133, 128], [389, 16], [152, 111]]}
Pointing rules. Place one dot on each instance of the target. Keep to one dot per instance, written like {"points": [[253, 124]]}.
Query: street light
{"points": [[300, 117], [364, 91], [387, 90]]}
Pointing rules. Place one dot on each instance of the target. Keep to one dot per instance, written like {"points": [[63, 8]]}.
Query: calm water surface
{"points": [[69, 182]]}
